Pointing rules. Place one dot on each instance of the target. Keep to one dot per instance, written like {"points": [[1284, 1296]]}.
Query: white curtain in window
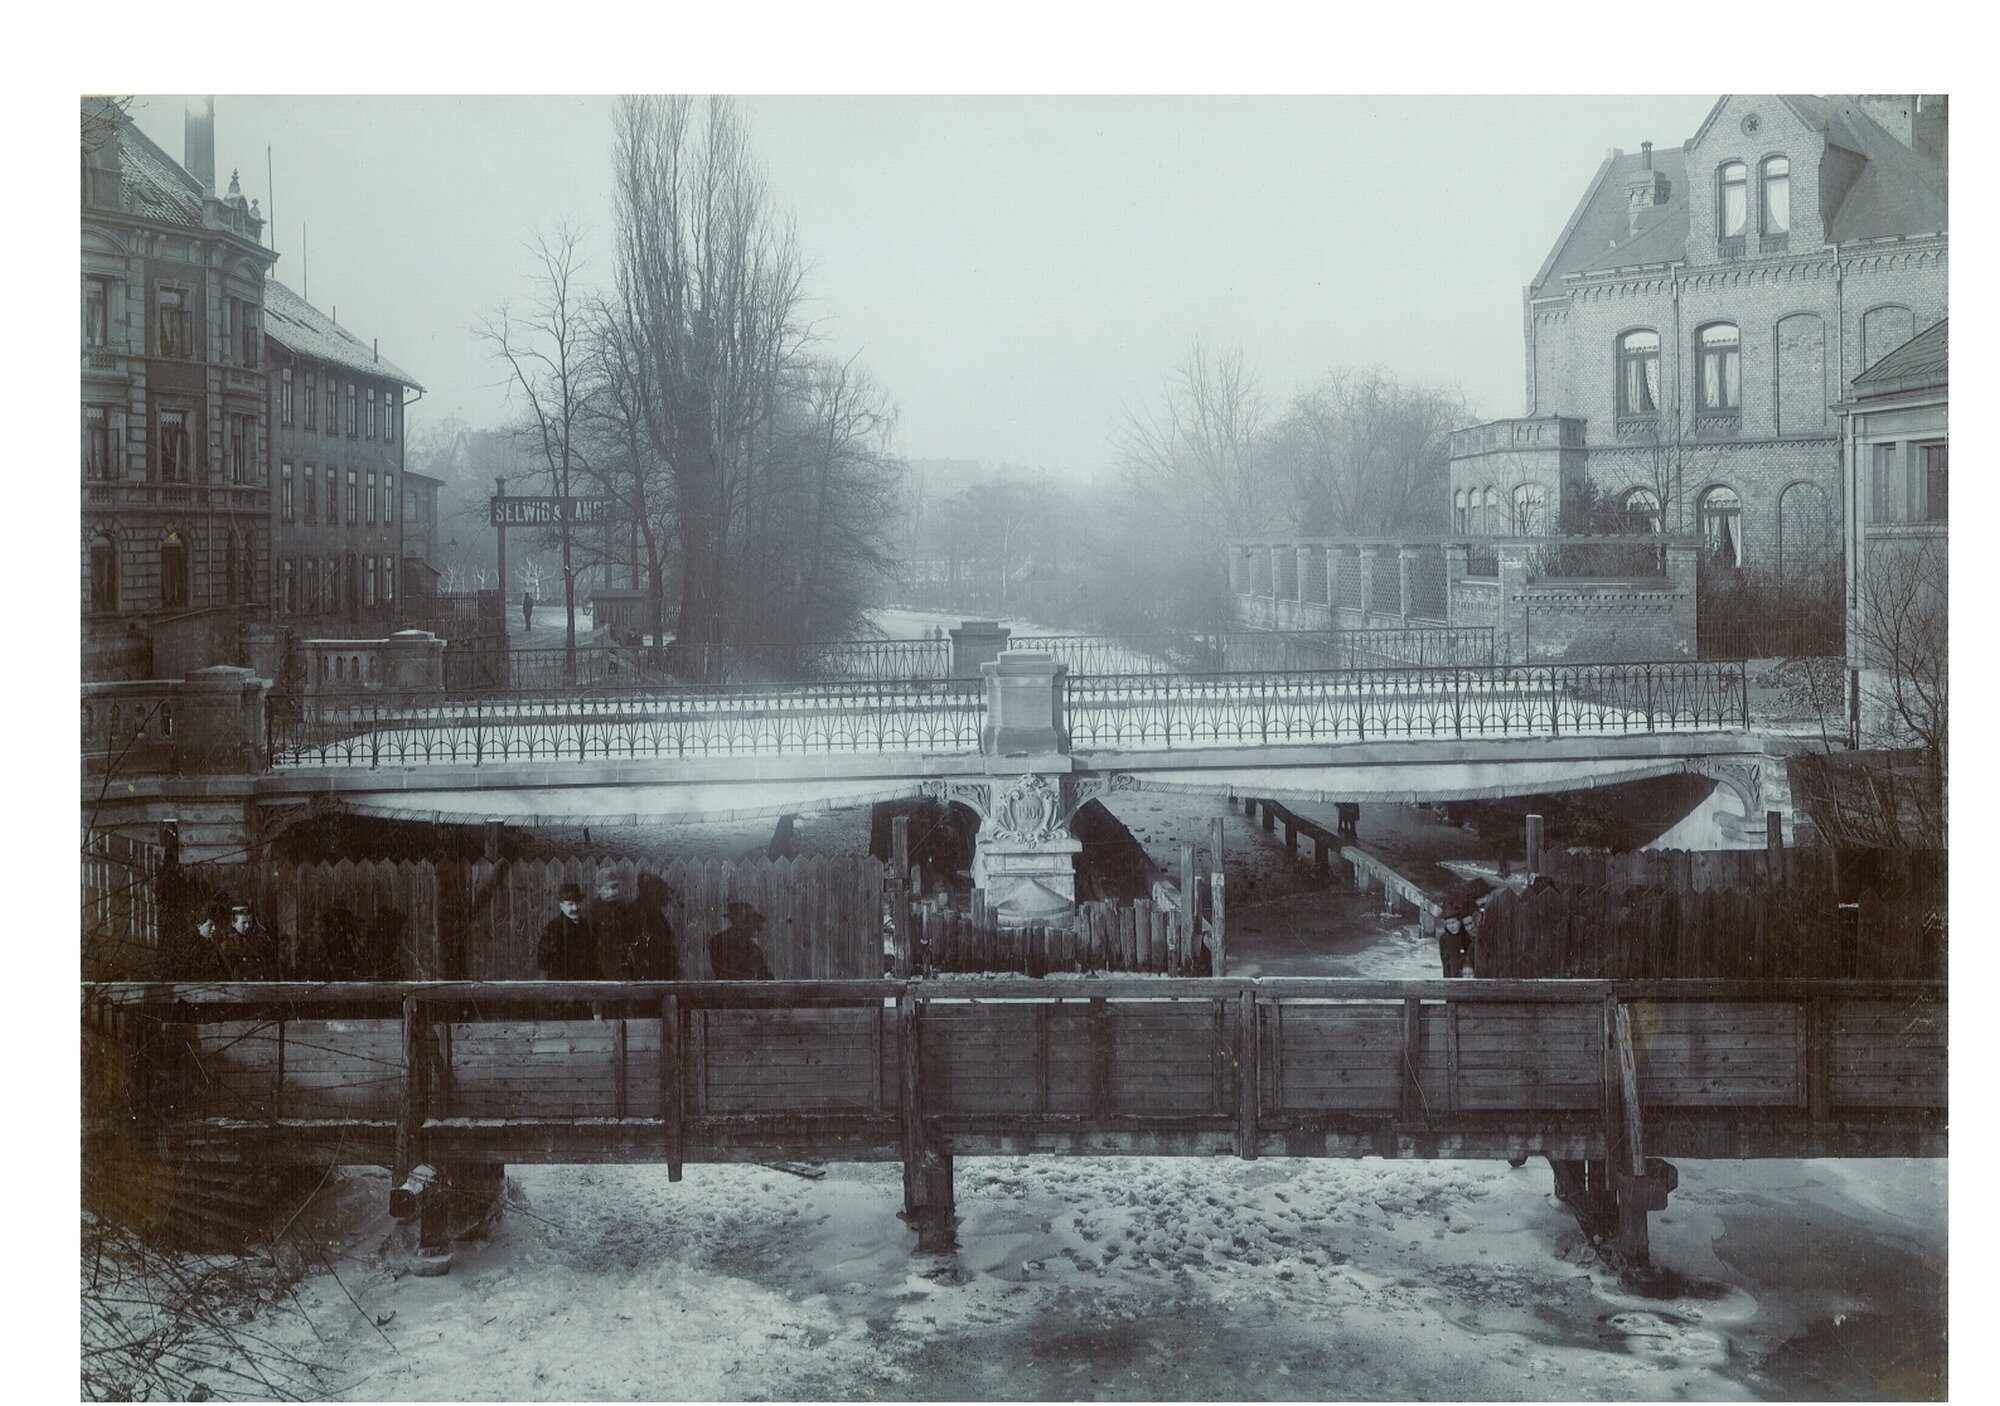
{"points": [[1777, 195]]}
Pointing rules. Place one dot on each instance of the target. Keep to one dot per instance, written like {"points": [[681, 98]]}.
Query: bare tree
{"points": [[546, 350], [1364, 455], [1904, 646], [1199, 443], [708, 292]]}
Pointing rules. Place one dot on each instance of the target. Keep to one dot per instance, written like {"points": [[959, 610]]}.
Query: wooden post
{"points": [[913, 1107], [1774, 845], [410, 1118], [491, 837], [1534, 845], [1818, 1023], [1270, 814], [1215, 895], [618, 1064], [1411, 1102], [673, 1082], [1246, 1071], [900, 894], [1190, 918], [1291, 836], [1629, 1166], [937, 1218]]}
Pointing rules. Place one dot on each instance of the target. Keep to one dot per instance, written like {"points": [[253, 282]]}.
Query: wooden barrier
{"points": [[482, 920], [1604, 1079], [1171, 938]]}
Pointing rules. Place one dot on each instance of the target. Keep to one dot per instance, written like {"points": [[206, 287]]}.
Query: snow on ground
{"points": [[1146, 1278]]}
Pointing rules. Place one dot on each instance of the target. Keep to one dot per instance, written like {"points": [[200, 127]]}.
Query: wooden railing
{"points": [[437, 1074]]}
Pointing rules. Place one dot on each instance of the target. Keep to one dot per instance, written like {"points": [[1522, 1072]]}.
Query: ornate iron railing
{"points": [[1240, 651], [1151, 712], [372, 730]]}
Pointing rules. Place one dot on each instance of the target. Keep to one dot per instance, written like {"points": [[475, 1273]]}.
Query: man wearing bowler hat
{"points": [[568, 947]]}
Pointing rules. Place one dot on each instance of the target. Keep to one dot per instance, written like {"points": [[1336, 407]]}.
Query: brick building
{"points": [[337, 436], [176, 492], [420, 541], [1896, 436], [1701, 314]]}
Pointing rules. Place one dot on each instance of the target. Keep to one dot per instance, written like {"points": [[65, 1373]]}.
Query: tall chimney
{"points": [[1646, 154], [198, 152]]}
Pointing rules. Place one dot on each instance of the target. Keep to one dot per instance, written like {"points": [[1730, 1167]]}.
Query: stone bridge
{"points": [[1022, 747]]}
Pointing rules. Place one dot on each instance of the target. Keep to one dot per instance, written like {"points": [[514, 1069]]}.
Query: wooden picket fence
{"points": [[481, 921], [121, 909], [1852, 872], [1892, 928], [1097, 937]]}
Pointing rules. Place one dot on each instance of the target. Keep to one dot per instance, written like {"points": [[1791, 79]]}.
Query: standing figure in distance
{"points": [[527, 612], [568, 947], [733, 953]]}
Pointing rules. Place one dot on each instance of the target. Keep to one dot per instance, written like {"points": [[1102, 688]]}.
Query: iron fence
{"points": [[1151, 712], [861, 716], [1243, 651]]}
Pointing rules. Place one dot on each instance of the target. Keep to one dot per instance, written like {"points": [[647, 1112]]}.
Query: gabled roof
{"points": [[1921, 362], [298, 326], [1897, 192], [1598, 238], [156, 187]]}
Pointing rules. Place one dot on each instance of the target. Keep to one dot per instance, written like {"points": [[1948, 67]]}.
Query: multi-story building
{"points": [[1896, 441], [420, 540], [1701, 314], [337, 438], [176, 491]]}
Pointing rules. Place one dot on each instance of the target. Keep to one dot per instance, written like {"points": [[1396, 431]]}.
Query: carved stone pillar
{"points": [[975, 643], [1025, 858]]}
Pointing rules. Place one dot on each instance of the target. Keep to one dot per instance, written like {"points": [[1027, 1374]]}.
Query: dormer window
{"points": [[1732, 205], [1774, 200]]}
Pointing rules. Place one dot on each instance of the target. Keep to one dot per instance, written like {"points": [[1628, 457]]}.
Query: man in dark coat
{"points": [[635, 939], [733, 953], [250, 950], [527, 611], [568, 947], [197, 954], [1455, 942]]}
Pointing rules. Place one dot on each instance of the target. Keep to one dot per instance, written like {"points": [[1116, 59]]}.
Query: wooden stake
{"points": [[900, 894]]}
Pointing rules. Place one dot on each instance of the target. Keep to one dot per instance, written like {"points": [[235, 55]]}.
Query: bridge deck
{"points": [[514, 1072]]}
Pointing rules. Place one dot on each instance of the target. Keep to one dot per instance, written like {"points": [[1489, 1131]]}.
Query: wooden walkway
{"points": [[1604, 1079]]}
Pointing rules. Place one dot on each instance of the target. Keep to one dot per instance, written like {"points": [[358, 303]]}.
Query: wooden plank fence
{"points": [[1166, 938], [481, 921], [1767, 932], [121, 904]]}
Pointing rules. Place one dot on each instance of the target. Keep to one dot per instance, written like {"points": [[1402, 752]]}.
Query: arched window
{"points": [[1719, 514], [1884, 329], [1491, 525], [1459, 513], [1639, 510], [1774, 196], [1732, 206], [1528, 503], [1718, 368], [1809, 551], [1639, 372], [173, 571], [103, 573]]}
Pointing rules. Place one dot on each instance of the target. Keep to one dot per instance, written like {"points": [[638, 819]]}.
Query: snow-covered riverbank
{"points": [[1144, 1278]]}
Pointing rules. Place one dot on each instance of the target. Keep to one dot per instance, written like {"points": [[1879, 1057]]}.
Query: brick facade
{"points": [[1861, 265], [176, 491], [338, 486]]}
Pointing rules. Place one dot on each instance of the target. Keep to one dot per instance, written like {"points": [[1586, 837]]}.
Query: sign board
{"points": [[552, 512]]}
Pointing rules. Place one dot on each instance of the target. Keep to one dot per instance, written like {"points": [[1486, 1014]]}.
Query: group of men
{"points": [[621, 937], [226, 942]]}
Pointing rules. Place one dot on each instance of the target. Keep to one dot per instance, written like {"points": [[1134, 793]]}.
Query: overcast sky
{"points": [[1015, 271]]}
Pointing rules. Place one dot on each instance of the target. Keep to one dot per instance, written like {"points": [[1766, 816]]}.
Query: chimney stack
{"points": [[1646, 153], [1645, 190], [198, 146]]}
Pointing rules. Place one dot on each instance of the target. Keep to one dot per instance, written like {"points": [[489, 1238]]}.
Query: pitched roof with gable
{"points": [[298, 326], [1921, 362], [156, 186], [1897, 192]]}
